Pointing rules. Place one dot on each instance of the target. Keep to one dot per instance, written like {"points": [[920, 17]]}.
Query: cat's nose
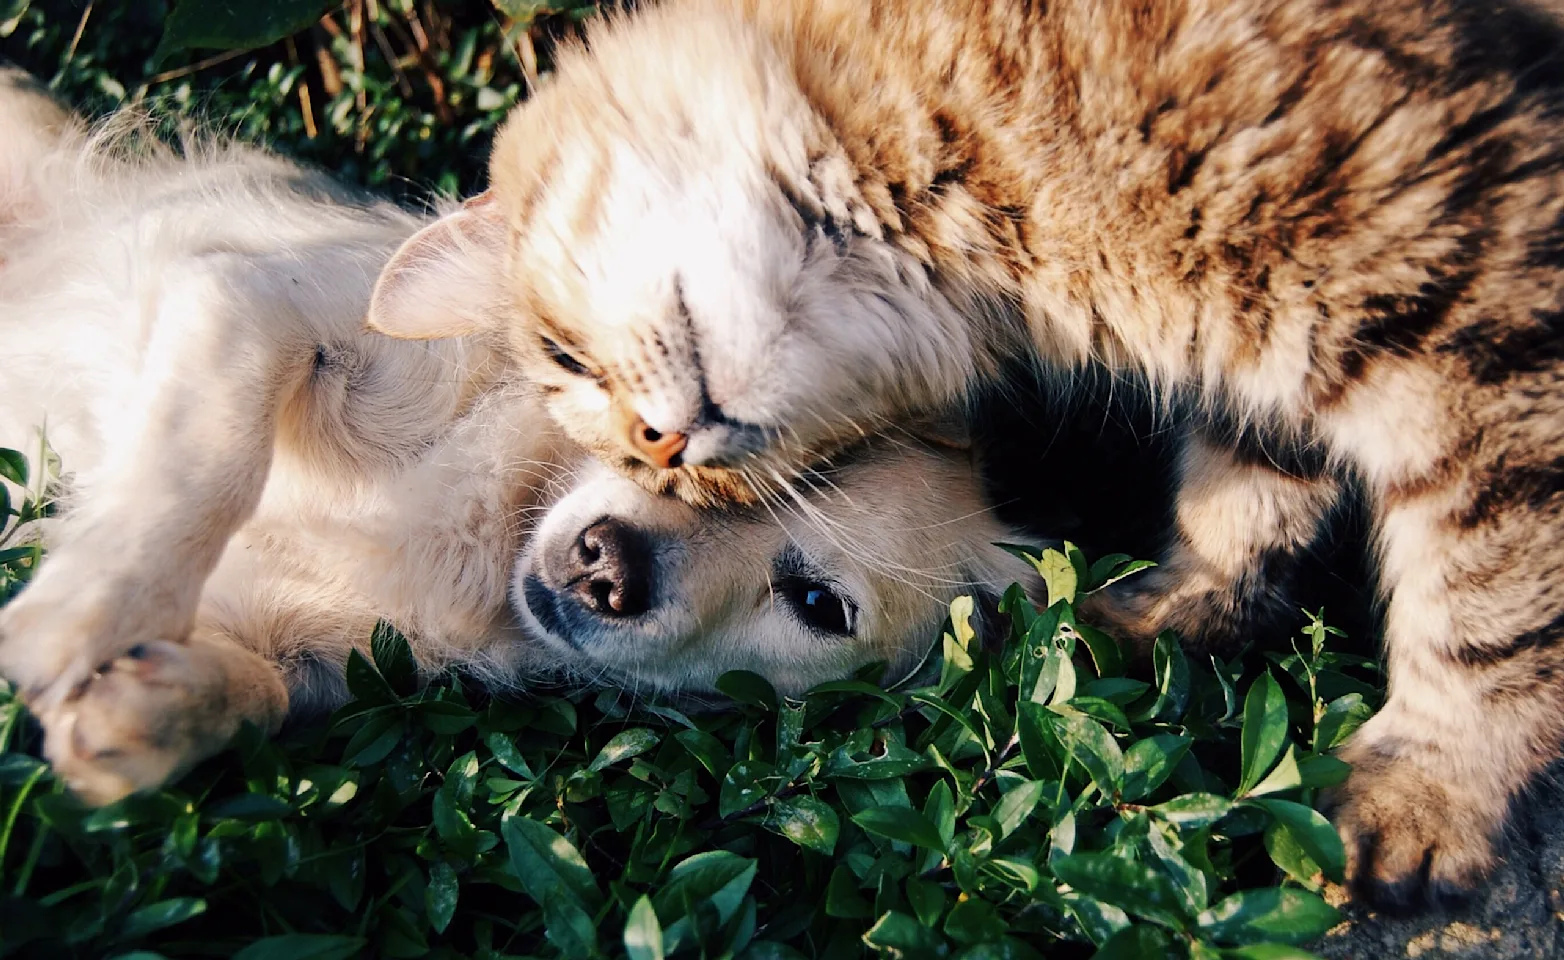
{"points": [[609, 569], [662, 450]]}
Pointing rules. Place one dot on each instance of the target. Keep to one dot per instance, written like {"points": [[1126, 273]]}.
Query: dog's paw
{"points": [[147, 716], [64, 629], [1412, 836]]}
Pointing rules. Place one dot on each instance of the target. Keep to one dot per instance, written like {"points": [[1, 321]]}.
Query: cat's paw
{"points": [[1201, 610], [1412, 835], [147, 716]]}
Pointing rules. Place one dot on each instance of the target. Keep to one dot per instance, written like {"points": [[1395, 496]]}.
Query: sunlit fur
{"points": [[253, 480], [775, 225]]}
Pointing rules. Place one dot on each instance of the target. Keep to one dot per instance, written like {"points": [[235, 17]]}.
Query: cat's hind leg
{"points": [[1243, 515]]}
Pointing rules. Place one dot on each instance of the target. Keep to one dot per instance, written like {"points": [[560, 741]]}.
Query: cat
{"points": [[764, 229], [254, 481]]}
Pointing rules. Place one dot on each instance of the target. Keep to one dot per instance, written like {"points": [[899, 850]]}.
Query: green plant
{"points": [[1031, 800]]}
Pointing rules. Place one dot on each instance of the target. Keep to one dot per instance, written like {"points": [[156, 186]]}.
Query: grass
{"points": [[1039, 800]]}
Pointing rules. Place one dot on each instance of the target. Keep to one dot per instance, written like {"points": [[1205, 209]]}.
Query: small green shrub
{"points": [[1033, 800]]}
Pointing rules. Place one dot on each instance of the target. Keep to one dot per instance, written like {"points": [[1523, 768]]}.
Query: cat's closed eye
{"points": [[565, 360]]}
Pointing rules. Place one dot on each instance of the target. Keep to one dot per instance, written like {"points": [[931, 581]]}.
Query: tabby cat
{"points": [[758, 230]]}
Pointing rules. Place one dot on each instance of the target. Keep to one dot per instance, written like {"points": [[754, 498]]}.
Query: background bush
{"points": [[1033, 800]]}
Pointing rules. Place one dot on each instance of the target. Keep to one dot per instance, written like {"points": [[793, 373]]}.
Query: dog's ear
{"points": [[447, 280]]}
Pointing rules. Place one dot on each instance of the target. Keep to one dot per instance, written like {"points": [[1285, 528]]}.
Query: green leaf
{"points": [[706, 749], [1286, 914], [1290, 857], [901, 823], [1264, 730], [974, 920], [899, 935], [1107, 658], [13, 466], [393, 658], [159, 915], [1093, 748], [1148, 763], [365, 682], [643, 935], [302, 946], [503, 749], [623, 746], [1137, 943], [1111, 569], [743, 786], [440, 895], [249, 807], [1284, 776], [858, 687], [717, 876], [1133, 887], [1194, 810], [749, 688], [545, 862], [927, 900], [1267, 951], [1323, 771], [1058, 574], [235, 26], [1171, 669], [1040, 747], [807, 822], [1041, 659], [1312, 832], [1342, 717], [1017, 804], [569, 927], [842, 898]]}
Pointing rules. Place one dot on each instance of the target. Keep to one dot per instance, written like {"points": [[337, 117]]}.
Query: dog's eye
{"points": [[819, 605], [565, 361]]}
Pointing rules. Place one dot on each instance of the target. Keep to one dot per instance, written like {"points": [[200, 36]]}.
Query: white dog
{"points": [[254, 480]]}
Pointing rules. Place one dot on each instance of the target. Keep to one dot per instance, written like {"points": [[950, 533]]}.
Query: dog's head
{"points": [[651, 594]]}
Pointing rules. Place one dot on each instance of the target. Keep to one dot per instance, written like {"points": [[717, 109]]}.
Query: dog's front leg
{"points": [[188, 444]]}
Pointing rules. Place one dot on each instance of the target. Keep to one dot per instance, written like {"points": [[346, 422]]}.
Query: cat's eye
{"points": [[564, 360], [819, 605]]}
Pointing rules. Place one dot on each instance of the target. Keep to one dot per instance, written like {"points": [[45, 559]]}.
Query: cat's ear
{"points": [[447, 280]]}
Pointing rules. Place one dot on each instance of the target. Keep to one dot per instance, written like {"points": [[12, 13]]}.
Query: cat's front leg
{"points": [[1241, 519], [1475, 644]]}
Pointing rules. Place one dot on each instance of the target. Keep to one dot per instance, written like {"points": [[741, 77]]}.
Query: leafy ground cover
{"points": [[1035, 800], [1043, 799]]}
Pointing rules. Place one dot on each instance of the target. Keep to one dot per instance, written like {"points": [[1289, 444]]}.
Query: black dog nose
{"points": [[609, 569]]}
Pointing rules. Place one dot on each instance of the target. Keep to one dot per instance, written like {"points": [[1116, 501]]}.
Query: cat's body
{"points": [[1337, 226]]}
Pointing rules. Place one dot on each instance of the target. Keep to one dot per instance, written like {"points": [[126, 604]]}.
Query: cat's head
{"points": [[675, 250]]}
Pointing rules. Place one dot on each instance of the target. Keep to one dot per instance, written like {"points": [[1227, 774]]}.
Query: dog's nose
{"points": [[661, 450], [609, 569]]}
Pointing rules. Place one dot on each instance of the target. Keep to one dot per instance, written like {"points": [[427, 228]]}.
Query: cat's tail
{"points": [[34, 130]]}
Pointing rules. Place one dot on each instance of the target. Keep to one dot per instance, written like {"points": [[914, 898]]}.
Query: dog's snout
{"points": [[661, 450], [610, 567]]}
